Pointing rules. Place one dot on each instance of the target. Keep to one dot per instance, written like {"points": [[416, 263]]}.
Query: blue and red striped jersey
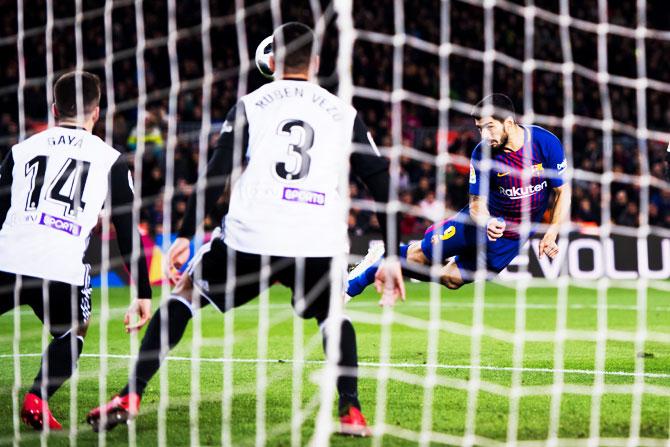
{"points": [[519, 182]]}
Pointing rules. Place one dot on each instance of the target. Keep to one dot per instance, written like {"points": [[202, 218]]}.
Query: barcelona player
{"points": [[513, 172]]}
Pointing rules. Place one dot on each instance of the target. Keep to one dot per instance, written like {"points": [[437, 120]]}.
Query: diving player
{"points": [[526, 163]]}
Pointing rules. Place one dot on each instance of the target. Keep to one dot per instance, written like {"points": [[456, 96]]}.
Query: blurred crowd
{"points": [[427, 193]]}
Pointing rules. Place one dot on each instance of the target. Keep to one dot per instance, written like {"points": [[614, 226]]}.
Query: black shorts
{"points": [[209, 271], [59, 300]]}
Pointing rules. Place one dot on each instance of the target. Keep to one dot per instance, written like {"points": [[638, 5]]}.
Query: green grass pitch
{"points": [[404, 400]]}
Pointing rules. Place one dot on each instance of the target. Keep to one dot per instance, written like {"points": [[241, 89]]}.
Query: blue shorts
{"points": [[459, 237]]}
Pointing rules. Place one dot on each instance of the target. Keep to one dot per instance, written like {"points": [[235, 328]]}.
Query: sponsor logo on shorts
{"points": [[516, 193], [302, 196], [60, 224]]}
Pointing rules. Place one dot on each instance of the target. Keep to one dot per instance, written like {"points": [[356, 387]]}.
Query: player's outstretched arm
{"points": [[560, 214], [122, 196]]}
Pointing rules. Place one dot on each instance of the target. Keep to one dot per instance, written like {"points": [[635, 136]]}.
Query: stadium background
{"points": [[372, 67], [583, 315]]}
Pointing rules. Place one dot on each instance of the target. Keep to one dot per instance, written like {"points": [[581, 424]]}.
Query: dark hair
{"points": [[497, 106], [65, 93], [297, 41]]}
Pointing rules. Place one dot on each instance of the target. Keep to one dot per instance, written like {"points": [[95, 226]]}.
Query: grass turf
{"points": [[404, 403]]}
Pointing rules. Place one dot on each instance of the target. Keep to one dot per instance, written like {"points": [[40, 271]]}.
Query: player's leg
{"points": [[315, 303], [462, 270], [207, 274], [440, 242], [7, 282], [61, 356]]}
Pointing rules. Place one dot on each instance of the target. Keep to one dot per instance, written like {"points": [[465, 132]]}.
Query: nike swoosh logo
{"points": [[503, 174]]}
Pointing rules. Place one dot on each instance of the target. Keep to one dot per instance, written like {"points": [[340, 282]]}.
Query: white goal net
{"points": [[574, 351]]}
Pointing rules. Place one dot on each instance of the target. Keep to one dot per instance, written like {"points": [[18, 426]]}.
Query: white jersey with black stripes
{"points": [[56, 183], [291, 198]]}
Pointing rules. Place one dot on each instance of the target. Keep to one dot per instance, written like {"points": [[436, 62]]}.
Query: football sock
{"points": [[179, 313], [60, 364], [347, 382], [358, 284]]}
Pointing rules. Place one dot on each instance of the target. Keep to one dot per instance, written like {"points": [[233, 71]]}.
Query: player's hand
{"points": [[389, 282], [140, 310], [495, 228], [548, 245], [177, 257]]}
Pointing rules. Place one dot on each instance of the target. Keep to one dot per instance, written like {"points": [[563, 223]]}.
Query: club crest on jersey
{"points": [[537, 170], [60, 224]]}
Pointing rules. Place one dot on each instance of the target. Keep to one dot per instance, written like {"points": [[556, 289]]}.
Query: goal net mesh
{"points": [[569, 352]]}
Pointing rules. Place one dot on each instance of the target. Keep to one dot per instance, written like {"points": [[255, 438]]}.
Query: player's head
{"points": [[294, 50], [65, 96], [494, 117]]}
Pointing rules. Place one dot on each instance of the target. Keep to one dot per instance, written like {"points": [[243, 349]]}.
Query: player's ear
{"points": [[96, 114], [271, 63], [54, 110], [508, 124]]}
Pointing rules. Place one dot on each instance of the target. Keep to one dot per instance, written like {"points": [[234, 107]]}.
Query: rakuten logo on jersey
{"points": [[516, 192]]}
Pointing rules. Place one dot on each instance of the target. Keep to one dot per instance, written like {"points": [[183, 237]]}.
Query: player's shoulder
{"points": [[542, 135], [477, 151]]}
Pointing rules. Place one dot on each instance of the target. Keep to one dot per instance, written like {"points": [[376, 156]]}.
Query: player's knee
{"points": [[415, 255], [184, 287], [452, 283], [82, 329], [451, 277]]}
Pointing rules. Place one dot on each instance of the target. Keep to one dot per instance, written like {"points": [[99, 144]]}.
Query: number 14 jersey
{"points": [[54, 186]]}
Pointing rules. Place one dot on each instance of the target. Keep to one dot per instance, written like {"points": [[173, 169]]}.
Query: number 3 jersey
{"points": [[52, 188], [294, 140]]}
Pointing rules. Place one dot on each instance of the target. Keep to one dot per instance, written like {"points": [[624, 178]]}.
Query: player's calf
{"points": [[451, 276]]}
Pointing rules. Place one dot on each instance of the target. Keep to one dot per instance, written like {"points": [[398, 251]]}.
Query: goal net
{"points": [[570, 351]]}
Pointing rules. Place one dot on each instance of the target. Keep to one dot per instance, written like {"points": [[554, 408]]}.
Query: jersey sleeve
{"points": [[219, 167], [6, 186], [556, 161], [122, 194], [475, 172]]}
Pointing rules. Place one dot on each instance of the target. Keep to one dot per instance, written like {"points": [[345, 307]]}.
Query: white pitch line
{"points": [[380, 365], [422, 304]]}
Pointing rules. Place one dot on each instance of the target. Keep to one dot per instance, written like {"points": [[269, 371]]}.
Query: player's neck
{"points": [[295, 77], [87, 125], [515, 139]]}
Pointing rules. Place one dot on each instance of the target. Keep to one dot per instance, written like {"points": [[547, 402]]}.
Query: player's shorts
{"points": [[209, 271], [54, 307], [458, 237]]}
